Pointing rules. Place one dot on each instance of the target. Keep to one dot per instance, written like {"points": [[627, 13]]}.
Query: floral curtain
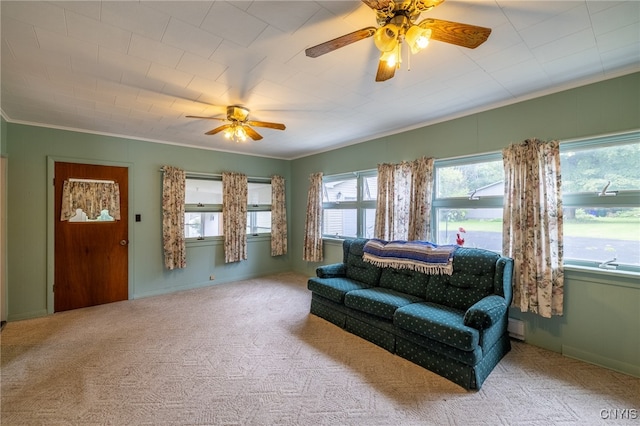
{"points": [[385, 226], [93, 197], [419, 204], [312, 251], [234, 216], [173, 241], [532, 225], [278, 217], [402, 209]]}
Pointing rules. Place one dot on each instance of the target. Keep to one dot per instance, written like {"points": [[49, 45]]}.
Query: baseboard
{"points": [[601, 361], [208, 283], [28, 315]]}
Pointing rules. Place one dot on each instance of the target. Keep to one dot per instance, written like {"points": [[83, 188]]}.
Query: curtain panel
{"points": [[420, 200], [234, 216], [278, 217], [173, 241], [92, 197], [533, 221], [312, 250], [403, 209], [385, 226]]}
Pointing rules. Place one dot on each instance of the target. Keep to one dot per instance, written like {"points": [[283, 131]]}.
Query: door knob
{"points": [[123, 242]]}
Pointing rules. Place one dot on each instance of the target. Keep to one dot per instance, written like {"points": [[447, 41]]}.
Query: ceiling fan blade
{"points": [[426, 5], [277, 126], [337, 43], [377, 4], [218, 129], [206, 118], [252, 133], [464, 35], [385, 72]]}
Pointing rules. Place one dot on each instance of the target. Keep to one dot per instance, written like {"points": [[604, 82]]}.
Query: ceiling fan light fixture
{"points": [[418, 38], [386, 37], [236, 132], [240, 134], [392, 58]]}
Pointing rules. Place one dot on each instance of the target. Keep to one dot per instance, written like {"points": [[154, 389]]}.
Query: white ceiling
{"points": [[136, 68]]}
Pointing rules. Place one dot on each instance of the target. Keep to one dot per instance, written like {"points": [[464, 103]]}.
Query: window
{"points": [[349, 204], [600, 196], [259, 208], [468, 201], [601, 201], [203, 207]]}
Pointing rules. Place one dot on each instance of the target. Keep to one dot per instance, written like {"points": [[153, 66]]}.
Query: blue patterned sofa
{"points": [[454, 325]]}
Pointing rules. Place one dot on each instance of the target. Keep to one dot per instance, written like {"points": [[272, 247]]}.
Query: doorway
{"points": [[91, 265]]}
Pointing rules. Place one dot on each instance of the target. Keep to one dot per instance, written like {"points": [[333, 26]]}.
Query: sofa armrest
{"points": [[486, 312], [331, 271]]}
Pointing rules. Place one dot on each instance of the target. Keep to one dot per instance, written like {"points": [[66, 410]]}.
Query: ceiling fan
{"points": [[238, 128], [396, 20]]}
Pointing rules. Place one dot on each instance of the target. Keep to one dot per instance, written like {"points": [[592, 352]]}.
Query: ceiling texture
{"points": [[136, 69]]}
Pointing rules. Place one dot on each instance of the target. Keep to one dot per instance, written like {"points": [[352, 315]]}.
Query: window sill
{"points": [[335, 241], [218, 241], [604, 276], [207, 241]]}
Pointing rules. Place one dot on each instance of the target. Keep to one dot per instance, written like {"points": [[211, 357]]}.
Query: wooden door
{"points": [[91, 258]]}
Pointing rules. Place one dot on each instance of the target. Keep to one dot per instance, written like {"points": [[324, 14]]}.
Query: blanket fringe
{"points": [[429, 269]]}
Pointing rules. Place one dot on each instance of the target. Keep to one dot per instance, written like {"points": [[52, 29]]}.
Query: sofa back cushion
{"points": [[473, 278], [405, 281], [357, 268]]}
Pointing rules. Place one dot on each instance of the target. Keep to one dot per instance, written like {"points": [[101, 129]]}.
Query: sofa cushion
{"points": [[378, 301], [473, 279], [334, 288], [437, 322], [357, 268], [405, 281]]}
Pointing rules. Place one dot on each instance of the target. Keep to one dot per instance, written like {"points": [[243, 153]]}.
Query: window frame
{"points": [[623, 198], [202, 208], [360, 204], [252, 209], [466, 202]]}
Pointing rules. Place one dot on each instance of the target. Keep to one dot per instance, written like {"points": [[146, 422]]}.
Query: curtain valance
{"points": [[90, 200]]}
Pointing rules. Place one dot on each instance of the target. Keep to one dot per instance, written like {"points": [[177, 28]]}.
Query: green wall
{"points": [[3, 136], [4, 306], [31, 152], [602, 311]]}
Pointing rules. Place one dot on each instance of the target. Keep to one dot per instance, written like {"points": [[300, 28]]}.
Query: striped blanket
{"points": [[420, 256]]}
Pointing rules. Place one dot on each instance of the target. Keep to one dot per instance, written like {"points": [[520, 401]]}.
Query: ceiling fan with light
{"points": [[397, 25], [238, 128]]}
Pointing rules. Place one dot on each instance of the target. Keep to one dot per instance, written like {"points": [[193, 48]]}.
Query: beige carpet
{"points": [[249, 353]]}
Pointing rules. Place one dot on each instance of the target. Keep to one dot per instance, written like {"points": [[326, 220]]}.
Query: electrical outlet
{"points": [[212, 277]]}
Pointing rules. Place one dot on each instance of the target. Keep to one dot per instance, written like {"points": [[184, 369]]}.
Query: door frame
{"points": [[51, 162]]}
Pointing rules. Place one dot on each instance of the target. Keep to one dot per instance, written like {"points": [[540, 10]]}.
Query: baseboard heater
{"points": [[516, 328]]}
